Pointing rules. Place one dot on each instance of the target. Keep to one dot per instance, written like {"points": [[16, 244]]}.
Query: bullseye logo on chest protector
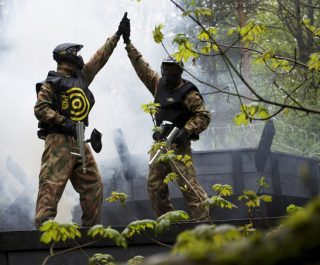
{"points": [[79, 104]]}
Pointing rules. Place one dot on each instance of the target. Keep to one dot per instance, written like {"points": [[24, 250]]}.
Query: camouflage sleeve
{"points": [[99, 59], [200, 119], [43, 108], [149, 77]]}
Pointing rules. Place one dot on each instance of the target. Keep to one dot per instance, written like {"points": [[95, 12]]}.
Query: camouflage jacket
{"points": [[193, 102], [43, 108]]}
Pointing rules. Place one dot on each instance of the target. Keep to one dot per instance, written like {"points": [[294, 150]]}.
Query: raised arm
{"points": [[149, 77], [101, 56], [99, 59]]}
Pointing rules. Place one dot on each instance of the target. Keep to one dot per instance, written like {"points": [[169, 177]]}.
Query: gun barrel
{"points": [[81, 141], [155, 156], [170, 137]]}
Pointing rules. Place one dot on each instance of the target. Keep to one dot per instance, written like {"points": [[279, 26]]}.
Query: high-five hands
{"points": [[124, 28]]}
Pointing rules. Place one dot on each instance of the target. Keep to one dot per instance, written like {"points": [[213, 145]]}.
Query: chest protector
{"points": [[72, 97], [171, 104]]}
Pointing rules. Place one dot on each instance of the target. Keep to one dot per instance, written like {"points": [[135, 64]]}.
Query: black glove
{"points": [[69, 127], [124, 25], [181, 137], [126, 33]]}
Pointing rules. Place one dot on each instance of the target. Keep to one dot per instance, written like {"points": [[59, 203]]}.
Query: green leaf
{"points": [[314, 62], [186, 159], [137, 227], [100, 258], [157, 145], [219, 202], [170, 178], [185, 48], [169, 218], [223, 190], [203, 11], [157, 33], [151, 108], [167, 156], [206, 49], [241, 119], [54, 232], [137, 260], [266, 198], [117, 196], [263, 183], [293, 209], [96, 230]]}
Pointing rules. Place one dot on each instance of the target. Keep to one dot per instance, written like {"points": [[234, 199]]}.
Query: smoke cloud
{"points": [[30, 30]]}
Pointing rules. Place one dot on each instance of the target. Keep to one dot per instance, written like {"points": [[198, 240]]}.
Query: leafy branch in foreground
{"points": [[204, 239], [118, 196], [218, 200], [138, 226], [108, 232], [99, 259], [166, 220], [54, 232], [294, 242]]}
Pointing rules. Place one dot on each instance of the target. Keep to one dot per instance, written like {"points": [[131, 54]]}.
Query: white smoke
{"points": [[31, 30]]}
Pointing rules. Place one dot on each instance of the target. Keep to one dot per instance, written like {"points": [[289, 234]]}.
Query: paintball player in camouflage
{"points": [[181, 104], [63, 99]]}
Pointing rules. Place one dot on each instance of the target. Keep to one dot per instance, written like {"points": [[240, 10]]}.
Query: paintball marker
{"points": [[168, 141], [95, 140]]}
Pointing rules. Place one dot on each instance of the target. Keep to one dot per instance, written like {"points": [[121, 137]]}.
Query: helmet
{"points": [[171, 71], [172, 61], [68, 52]]}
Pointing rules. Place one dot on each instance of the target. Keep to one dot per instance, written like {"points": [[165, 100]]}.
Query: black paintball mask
{"points": [[68, 52], [171, 71]]}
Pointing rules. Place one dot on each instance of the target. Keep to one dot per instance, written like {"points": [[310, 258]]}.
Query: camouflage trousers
{"points": [[159, 192], [57, 167]]}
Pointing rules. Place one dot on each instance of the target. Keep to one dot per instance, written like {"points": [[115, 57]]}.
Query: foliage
{"points": [[167, 156], [150, 108], [203, 239], [136, 260], [218, 200], [263, 183], [293, 209], [138, 226], [185, 48], [294, 242], [117, 196], [170, 178], [314, 62], [250, 112], [185, 159], [253, 200], [247, 229], [222, 190], [169, 218], [108, 232], [157, 145], [157, 33], [55, 232], [100, 259]]}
